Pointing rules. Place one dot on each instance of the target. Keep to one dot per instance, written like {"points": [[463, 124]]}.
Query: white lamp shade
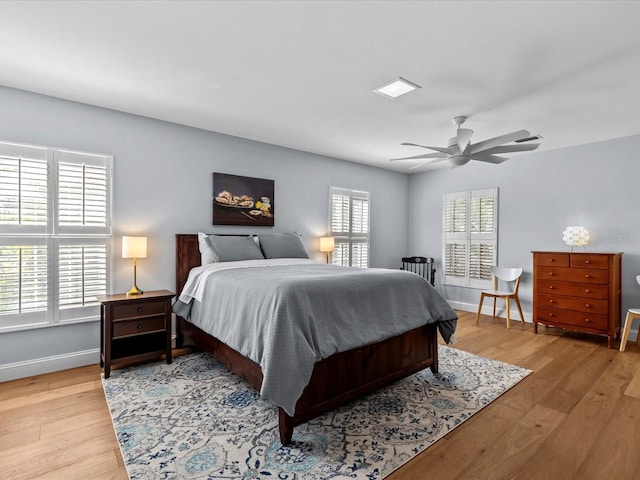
{"points": [[327, 244], [134, 247], [576, 236]]}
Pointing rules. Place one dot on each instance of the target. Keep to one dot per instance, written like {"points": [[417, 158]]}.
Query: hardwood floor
{"points": [[576, 417]]}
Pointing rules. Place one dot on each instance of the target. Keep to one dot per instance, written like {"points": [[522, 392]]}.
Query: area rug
{"points": [[194, 419]]}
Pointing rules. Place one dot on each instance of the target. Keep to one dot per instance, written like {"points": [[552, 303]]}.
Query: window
{"points": [[55, 227], [350, 227], [470, 237]]}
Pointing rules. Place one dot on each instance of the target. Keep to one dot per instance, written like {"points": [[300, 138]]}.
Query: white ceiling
{"points": [[301, 74]]}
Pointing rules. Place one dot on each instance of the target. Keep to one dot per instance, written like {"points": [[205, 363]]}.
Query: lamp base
{"points": [[134, 291]]}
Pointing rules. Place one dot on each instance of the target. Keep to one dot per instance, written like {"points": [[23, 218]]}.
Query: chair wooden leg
{"points": [[625, 331], [479, 308], [494, 307], [508, 301], [519, 308]]}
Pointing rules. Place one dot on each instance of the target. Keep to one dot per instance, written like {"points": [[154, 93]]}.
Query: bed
{"points": [[334, 378]]}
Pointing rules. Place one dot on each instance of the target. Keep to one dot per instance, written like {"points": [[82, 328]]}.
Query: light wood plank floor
{"points": [[576, 417]]}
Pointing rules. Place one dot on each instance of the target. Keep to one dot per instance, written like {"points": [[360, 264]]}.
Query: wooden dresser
{"points": [[578, 291]]}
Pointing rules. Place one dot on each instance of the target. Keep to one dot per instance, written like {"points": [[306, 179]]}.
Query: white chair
{"points": [[504, 274], [632, 314]]}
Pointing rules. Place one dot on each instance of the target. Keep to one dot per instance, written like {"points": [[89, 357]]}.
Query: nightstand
{"points": [[134, 328]]}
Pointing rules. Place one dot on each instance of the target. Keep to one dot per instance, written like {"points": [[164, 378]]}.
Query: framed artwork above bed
{"points": [[241, 200]]}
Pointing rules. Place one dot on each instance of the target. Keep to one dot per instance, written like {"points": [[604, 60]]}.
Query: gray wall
{"points": [[540, 193], [163, 186]]}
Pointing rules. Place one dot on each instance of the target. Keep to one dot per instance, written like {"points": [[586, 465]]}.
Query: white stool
{"points": [[632, 314]]}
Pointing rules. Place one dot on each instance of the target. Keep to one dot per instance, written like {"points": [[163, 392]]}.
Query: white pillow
{"points": [[206, 252]]}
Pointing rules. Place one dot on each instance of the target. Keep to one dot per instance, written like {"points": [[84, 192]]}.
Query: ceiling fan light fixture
{"points": [[459, 160], [397, 88]]}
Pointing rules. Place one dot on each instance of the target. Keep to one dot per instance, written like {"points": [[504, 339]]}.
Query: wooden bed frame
{"points": [[335, 380]]}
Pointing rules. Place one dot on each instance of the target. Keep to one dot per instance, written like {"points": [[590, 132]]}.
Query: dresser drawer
{"points": [[587, 305], [132, 327], [589, 260], [138, 309], [581, 275], [580, 320], [573, 289], [551, 259]]}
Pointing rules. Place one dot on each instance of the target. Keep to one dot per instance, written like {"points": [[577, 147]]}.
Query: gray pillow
{"points": [[282, 245], [233, 248]]}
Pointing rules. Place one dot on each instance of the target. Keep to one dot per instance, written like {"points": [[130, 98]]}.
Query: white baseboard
{"points": [[487, 309], [37, 366]]}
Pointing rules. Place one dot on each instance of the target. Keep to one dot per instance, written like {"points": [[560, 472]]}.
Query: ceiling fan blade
{"points": [[464, 137], [448, 151], [512, 148], [485, 157], [497, 141], [426, 155]]}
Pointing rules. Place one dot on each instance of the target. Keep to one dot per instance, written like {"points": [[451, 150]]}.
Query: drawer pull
{"points": [[140, 326], [551, 287], [551, 260], [551, 274], [587, 262], [551, 315], [588, 305], [587, 290], [587, 276], [586, 320], [552, 301], [139, 309]]}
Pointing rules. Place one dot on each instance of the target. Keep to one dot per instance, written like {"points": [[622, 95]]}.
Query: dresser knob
{"points": [[587, 276], [586, 320], [551, 260], [551, 274], [587, 290], [552, 301], [139, 326], [551, 314], [139, 309], [551, 287], [587, 262], [588, 305]]}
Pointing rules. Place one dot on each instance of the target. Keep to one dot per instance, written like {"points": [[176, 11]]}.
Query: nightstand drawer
{"points": [[133, 327], [138, 309], [587, 260]]}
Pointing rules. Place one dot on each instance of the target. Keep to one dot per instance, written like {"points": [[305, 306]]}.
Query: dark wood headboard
{"points": [[187, 257]]}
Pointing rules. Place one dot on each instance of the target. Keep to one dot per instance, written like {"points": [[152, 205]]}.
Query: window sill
{"points": [[37, 326]]}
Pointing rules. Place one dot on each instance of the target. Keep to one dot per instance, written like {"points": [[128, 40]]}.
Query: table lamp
{"points": [[327, 245], [576, 236], [134, 247]]}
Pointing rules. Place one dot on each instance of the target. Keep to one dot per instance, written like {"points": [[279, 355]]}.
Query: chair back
{"points": [[507, 274], [422, 266], [638, 279]]}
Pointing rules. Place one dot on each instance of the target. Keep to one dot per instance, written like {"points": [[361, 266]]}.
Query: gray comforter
{"points": [[286, 317]]}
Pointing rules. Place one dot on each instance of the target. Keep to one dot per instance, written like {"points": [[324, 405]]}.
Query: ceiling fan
{"points": [[461, 150]]}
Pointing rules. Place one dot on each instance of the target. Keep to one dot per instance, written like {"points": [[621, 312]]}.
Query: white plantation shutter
{"points": [[349, 224], [82, 200], [470, 237], [23, 189], [62, 200]]}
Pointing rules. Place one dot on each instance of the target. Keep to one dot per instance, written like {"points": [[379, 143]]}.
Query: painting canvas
{"points": [[241, 200]]}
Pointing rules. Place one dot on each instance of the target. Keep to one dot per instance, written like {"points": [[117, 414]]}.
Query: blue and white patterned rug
{"points": [[194, 419]]}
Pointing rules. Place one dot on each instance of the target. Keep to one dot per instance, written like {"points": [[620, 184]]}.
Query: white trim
{"points": [[38, 366]]}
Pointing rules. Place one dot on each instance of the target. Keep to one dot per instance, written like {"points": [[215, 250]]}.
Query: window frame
{"points": [[350, 239], [53, 234], [468, 239]]}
